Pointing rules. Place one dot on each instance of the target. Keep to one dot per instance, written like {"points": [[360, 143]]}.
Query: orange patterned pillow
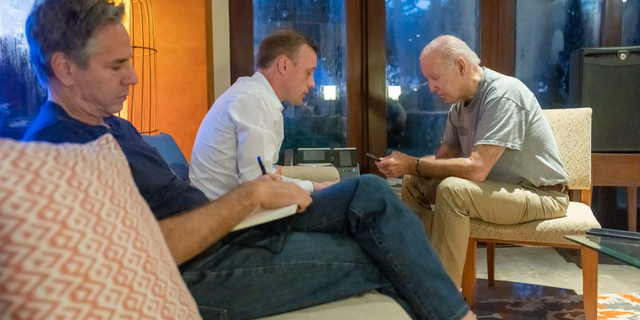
{"points": [[78, 241]]}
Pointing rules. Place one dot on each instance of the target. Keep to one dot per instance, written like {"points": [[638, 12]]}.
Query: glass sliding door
{"points": [[547, 31], [415, 117], [631, 23], [321, 119]]}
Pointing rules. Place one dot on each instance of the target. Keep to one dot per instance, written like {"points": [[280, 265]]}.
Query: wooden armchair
{"points": [[572, 130]]}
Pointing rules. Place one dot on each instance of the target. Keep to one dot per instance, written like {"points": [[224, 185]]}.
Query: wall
{"points": [[182, 69]]}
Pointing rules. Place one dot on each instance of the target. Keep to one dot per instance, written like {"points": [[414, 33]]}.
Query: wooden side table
{"points": [[619, 170]]}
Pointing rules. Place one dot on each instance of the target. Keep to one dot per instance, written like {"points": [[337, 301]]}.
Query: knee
{"points": [[373, 181], [449, 188]]}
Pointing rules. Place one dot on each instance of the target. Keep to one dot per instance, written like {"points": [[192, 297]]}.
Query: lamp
{"points": [[141, 105], [394, 92]]}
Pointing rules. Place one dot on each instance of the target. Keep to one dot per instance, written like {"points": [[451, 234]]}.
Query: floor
{"points": [[525, 272]]}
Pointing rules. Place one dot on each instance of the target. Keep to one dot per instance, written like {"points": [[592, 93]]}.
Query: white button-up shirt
{"points": [[243, 124]]}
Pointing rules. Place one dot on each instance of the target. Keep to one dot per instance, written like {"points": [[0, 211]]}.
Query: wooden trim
{"points": [[208, 17], [611, 24], [529, 243], [355, 68], [241, 38], [376, 82], [498, 35]]}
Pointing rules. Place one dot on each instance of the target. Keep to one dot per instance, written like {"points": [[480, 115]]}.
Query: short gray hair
{"points": [[450, 48], [66, 26]]}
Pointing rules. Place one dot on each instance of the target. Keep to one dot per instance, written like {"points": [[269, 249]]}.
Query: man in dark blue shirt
{"points": [[357, 236], [165, 193]]}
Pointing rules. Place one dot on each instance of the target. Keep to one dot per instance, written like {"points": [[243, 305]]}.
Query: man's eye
{"points": [[116, 68]]}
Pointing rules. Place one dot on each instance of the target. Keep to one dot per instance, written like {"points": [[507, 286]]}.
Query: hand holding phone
{"points": [[373, 157]]}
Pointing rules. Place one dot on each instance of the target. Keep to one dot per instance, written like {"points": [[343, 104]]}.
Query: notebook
{"points": [[261, 215]]}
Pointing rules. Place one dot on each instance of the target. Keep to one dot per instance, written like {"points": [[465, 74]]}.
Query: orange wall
{"points": [[181, 69]]}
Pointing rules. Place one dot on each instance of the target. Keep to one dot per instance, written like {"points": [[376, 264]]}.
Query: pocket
{"points": [[210, 313]]}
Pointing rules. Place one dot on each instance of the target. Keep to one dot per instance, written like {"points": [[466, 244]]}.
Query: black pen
{"points": [[262, 166]]}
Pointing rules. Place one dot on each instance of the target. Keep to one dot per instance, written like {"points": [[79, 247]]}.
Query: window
{"points": [[20, 93], [631, 23], [415, 117], [547, 31], [321, 120]]}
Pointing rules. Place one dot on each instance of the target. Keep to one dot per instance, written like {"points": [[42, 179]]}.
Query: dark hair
{"points": [[66, 26], [283, 41]]}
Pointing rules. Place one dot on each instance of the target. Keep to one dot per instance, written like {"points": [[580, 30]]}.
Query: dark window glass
{"points": [[20, 93], [415, 117], [547, 31], [321, 120], [631, 23]]}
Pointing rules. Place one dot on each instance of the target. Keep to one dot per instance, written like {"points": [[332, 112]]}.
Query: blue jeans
{"points": [[356, 236]]}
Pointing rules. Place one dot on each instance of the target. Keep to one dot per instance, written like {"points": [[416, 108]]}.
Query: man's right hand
{"points": [[272, 193]]}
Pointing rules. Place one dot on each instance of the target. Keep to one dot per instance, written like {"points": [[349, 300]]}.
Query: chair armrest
{"points": [[313, 174]]}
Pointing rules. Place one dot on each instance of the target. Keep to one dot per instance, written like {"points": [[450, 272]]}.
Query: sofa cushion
{"points": [[370, 306], [78, 241]]}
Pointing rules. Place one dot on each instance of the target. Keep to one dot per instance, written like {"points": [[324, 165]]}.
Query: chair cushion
{"points": [[314, 174], [370, 306], [578, 220], [78, 241]]}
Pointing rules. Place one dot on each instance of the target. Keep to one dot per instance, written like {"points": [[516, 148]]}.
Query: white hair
{"points": [[449, 49]]}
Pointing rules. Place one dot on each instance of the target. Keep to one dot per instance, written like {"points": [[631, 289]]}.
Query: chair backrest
{"points": [[572, 129], [171, 153]]}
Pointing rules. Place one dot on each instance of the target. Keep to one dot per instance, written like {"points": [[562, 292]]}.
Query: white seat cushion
{"points": [[370, 306], [578, 220]]}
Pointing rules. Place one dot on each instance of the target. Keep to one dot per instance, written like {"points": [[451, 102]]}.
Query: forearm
{"points": [[190, 233], [455, 167]]}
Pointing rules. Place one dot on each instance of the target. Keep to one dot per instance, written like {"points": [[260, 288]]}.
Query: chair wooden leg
{"points": [[589, 259], [469, 273], [491, 263]]}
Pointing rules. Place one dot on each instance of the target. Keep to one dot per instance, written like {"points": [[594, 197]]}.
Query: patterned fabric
{"points": [[78, 241], [578, 220], [610, 307], [572, 130]]}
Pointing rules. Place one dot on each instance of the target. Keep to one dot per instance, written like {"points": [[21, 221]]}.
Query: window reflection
{"points": [[631, 23], [415, 117], [547, 31], [321, 120], [20, 93]]}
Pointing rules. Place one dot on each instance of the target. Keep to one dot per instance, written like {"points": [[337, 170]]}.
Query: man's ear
{"points": [[461, 65], [283, 64], [63, 68]]}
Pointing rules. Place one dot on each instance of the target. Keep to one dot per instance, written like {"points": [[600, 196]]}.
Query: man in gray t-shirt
{"points": [[498, 157]]}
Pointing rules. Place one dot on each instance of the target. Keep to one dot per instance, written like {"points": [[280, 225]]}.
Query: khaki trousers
{"points": [[457, 200]]}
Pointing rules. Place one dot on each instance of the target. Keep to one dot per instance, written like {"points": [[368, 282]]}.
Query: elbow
{"points": [[478, 174]]}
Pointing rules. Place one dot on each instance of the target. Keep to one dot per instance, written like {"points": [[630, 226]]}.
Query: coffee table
{"points": [[625, 250]]}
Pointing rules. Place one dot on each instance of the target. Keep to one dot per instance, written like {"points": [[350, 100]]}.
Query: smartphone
{"points": [[373, 157]]}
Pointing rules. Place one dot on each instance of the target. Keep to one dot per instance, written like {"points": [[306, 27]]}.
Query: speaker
{"points": [[607, 80]]}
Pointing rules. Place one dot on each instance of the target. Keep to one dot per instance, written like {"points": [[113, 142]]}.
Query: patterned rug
{"points": [[610, 306]]}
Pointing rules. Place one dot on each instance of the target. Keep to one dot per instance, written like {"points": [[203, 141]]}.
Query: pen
{"points": [[262, 166]]}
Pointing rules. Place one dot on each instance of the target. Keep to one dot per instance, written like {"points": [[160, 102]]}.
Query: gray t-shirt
{"points": [[504, 112]]}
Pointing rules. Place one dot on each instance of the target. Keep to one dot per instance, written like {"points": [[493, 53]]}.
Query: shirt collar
{"points": [[259, 77]]}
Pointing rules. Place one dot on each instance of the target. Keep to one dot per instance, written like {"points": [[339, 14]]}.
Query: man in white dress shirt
{"points": [[246, 121]]}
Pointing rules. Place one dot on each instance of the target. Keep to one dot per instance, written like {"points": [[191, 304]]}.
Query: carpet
{"points": [[610, 307]]}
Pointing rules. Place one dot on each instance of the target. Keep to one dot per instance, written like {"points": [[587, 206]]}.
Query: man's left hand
{"points": [[397, 164]]}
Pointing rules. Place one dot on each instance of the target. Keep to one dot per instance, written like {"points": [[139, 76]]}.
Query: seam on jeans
{"points": [[263, 268], [324, 222], [392, 263]]}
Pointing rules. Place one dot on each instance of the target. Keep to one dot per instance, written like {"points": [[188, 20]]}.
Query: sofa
{"points": [[78, 241]]}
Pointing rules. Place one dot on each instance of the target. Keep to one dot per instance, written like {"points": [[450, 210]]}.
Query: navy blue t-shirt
{"points": [[165, 193]]}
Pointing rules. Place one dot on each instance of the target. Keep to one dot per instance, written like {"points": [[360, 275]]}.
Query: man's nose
{"points": [[432, 87]]}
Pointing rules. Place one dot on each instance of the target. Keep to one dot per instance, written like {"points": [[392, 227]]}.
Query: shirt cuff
{"points": [[305, 184]]}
